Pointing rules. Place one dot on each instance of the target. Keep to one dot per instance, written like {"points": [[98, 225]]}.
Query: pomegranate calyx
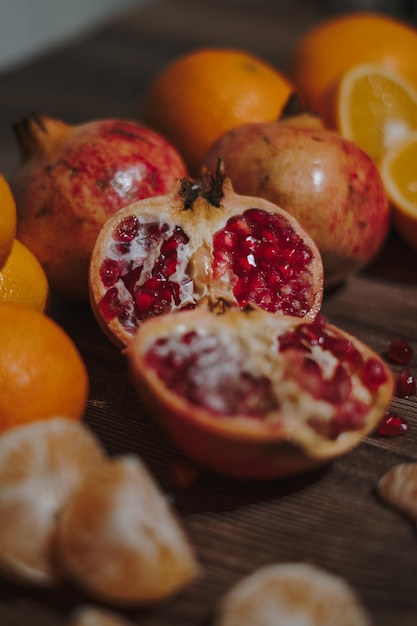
{"points": [[38, 134], [207, 186]]}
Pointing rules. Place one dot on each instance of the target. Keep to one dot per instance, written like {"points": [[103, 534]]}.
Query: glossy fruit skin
{"points": [[73, 178], [278, 443], [22, 279], [335, 45], [208, 91], [327, 183], [7, 220], [43, 371]]}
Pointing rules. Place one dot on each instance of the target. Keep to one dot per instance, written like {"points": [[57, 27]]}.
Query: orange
{"points": [[399, 174], [22, 278], [333, 46], [375, 107], [42, 373], [7, 220], [208, 92]]}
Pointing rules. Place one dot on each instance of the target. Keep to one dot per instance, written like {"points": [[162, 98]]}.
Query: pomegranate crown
{"points": [[207, 186]]}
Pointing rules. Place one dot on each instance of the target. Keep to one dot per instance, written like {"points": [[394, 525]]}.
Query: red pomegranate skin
{"points": [[327, 183], [73, 178]]}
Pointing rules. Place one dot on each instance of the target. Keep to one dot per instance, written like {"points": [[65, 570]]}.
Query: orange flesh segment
{"points": [[403, 172], [376, 109]]}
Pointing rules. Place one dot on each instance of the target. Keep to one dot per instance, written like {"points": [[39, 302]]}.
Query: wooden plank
{"points": [[332, 517]]}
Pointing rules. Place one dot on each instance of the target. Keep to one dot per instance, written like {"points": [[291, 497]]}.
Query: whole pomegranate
{"points": [[326, 182], [73, 178], [255, 395], [202, 241]]}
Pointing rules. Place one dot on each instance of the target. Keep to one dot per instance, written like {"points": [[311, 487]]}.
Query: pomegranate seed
{"points": [[228, 390], [110, 304], [110, 271], [155, 295], [372, 374], [267, 258], [405, 383], [400, 352], [126, 229], [345, 350], [393, 426]]}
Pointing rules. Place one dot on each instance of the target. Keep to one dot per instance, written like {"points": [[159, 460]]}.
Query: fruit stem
{"points": [[37, 134], [208, 186]]}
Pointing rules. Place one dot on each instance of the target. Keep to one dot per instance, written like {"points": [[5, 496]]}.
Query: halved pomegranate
{"points": [[201, 241], [251, 394]]}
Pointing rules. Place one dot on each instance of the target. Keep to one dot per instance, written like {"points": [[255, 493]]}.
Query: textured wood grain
{"points": [[333, 517]]}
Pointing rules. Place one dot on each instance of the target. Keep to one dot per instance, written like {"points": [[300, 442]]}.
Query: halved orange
{"points": [[333, 46], [375, 107], [399, 174]]}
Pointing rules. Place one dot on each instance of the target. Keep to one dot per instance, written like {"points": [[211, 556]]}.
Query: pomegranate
{"points": [[73, 178], [201, 242], [327, 183], [255, 395]]}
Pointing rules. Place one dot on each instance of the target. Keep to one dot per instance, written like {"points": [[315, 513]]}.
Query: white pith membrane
{"points": [[250, 343]]}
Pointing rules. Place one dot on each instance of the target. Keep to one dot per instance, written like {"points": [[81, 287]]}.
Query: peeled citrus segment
{"points": [[398, 487], [291, 593], [120, 540], [40, 466], [376, 107], [399, 174], [88, 615]]}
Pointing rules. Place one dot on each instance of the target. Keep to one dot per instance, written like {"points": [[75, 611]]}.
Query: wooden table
{"points": [[331, 518]]}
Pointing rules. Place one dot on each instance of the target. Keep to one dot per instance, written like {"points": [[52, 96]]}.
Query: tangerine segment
{"points": [[22, 279], [7, 220], [376, 107], [328, 50], [119, 538], [42, 371], [399, 174], [207, 92], [40, 466], [398, 487], [89, 615], [291, 593]]}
